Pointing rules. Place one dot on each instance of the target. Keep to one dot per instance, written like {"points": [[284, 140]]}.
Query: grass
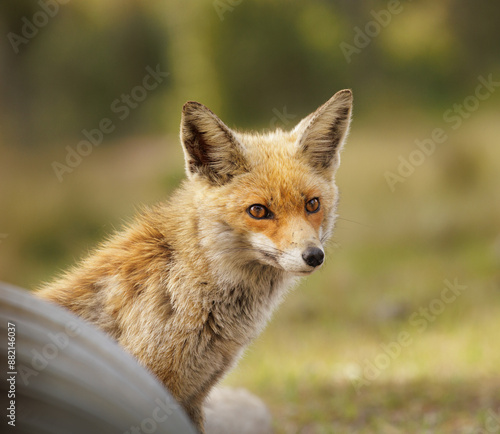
{"points": [[390, 256]]}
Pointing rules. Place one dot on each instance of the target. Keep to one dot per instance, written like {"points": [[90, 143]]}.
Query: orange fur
{"points": [[192, 281]]}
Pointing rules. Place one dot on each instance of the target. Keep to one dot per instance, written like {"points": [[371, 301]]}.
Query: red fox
{"points": [[189, 284]]}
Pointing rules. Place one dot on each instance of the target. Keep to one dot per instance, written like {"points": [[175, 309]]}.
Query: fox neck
{"points": [[251, 300], [230, 268], [236, 278]]}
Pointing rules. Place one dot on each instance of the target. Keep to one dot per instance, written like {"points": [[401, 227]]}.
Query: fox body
{"points": [[192, 281]]}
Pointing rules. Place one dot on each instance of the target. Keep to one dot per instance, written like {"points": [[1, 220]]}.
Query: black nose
{"points": [[313, 256]]}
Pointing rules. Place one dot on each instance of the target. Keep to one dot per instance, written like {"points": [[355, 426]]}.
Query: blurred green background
{"points": [[332, 360]]}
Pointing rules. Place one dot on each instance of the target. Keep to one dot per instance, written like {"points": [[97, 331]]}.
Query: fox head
{"points": [[266, 198]]}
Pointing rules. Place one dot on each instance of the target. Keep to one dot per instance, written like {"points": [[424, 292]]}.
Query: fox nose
{"points": [[313, 256]]}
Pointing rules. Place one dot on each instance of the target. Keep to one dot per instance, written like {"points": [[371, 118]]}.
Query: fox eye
{"points": [[259, 212], [312, 206]]}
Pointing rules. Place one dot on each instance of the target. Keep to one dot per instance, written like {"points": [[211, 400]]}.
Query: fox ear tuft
{"points": [[211, 149], [321, 135]]}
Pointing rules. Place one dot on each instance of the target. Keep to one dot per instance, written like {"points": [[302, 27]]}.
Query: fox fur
{"points": [[192, 281]]}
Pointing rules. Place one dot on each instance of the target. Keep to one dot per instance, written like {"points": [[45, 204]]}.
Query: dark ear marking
{"points": [[211, 149], [322, 134], [336, 134]]}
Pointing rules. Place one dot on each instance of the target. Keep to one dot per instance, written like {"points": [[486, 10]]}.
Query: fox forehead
{"points": [[286, 187], [279, 178], [272, 147]]}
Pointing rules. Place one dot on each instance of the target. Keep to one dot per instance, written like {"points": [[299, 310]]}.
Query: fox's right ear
{"points": [[211, 149], [321, 135]]}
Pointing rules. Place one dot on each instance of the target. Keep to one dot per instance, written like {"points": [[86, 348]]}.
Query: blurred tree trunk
{"points": [[192, 70]]}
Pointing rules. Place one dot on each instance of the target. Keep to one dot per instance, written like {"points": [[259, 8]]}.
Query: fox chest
{"points": [[227, 330], [241, 315]]}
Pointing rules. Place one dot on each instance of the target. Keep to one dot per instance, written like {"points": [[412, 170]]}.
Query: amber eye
{"points": [[259, 212], [312, 206]]}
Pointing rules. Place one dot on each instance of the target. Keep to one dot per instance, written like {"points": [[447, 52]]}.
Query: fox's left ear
{"points": [[321, 135]]}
